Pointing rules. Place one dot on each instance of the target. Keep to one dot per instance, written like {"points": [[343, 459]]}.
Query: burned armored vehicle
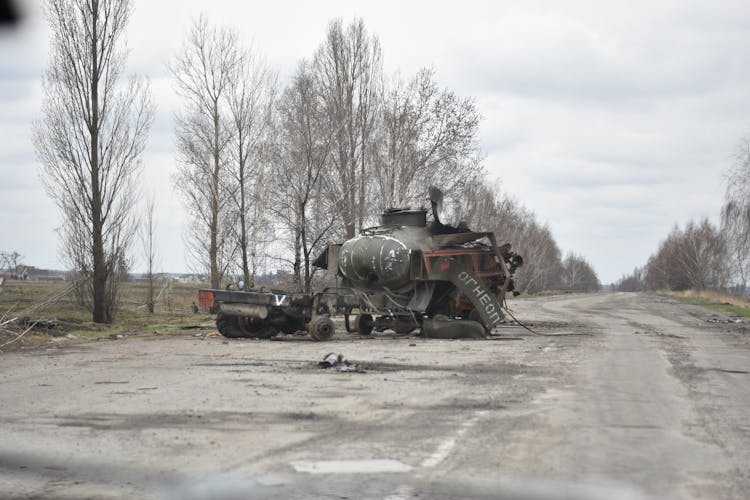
{"points": [[407, 273]]}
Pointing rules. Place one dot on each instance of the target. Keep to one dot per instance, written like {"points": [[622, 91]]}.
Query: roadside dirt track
{"points": [[648, 398]]}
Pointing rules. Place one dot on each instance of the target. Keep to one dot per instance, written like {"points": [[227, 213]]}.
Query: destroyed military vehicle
{"points": [[407, 273]]}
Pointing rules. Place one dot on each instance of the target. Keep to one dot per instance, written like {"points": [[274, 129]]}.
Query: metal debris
{"points": [[332, 360], [42, 323], [724, 321]]}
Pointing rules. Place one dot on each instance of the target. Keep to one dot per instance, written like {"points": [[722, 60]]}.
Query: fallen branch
{"points": [[36, 307], [19, 336], [4, 320]]}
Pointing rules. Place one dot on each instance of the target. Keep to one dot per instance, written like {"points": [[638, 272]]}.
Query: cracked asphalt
{"points": [[621, 396]]}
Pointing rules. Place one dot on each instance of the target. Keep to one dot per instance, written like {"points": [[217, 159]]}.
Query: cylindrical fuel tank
{"points": [[375, 261]]}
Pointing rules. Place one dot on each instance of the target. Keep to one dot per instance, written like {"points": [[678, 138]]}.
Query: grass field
{"points": [[173, 312], [26, 299], [735, 306]]}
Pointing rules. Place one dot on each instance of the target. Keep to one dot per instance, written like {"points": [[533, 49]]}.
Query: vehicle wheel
{"points": [[227, 326], [364, 324], [321, 328], [255, 328]]}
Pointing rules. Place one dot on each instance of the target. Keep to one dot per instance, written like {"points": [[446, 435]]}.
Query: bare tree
{"points": [[485, 208], [91, 139], [427, 136], [348, 68], [11, 261], [701, 256], [633, 282], [147, 235], [542, 257], [693, 258], [305, 145], [735, 227], [662, 271], [250, 99], [735, 218], [482, 203], [578, 275], [264, 233], [204, 71]]}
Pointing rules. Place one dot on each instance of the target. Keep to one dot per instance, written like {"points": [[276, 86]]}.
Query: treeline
{"points": [[703, 256], [545, 268], [270, 172]]}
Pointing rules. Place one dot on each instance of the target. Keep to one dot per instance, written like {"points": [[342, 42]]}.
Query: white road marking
{"points": [[375, 466], [447, 446], [350, 466]]}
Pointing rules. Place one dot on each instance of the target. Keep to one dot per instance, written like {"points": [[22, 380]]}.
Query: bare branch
{"points": [[91, 140]]}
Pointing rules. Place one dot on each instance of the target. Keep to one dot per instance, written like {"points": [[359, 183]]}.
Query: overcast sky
{"points": [[611, 120]]}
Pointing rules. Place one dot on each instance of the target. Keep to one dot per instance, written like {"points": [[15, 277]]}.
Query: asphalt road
{"points": [[622, 396]]}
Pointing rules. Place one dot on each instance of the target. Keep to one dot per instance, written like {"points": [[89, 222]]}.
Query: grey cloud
{"points": [[562, 57], [16, 87], [610, 120]]}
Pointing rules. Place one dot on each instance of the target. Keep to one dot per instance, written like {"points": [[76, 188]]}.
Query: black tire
{"points": [[255, 328], [364, 324], [235, 327], [227, 326], [321, 328]]}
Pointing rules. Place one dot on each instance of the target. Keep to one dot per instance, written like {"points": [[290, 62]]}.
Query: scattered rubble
{"points": [[42, 323], [332, 360], [724, 321]]}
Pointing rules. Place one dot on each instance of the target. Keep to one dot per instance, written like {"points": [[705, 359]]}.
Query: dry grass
{"points": [[718, 297], [736, 306], [173, 313]]}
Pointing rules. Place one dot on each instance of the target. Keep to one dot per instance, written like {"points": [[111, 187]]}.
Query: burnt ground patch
{"points": [[213, 420], [478, 368], [490, 369]]}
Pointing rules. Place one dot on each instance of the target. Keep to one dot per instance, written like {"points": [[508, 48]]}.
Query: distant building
{"points": [[195, 279], [36, 274]]}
